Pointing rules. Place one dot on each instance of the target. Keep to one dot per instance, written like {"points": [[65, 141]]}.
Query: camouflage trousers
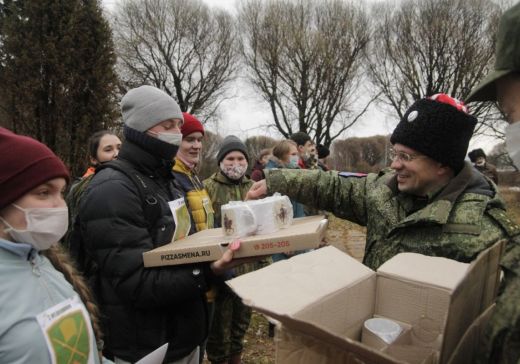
{"points": [[230, 322], [502, 336]]}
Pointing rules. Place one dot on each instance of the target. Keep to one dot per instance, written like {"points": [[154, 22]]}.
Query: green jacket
{"points": [[221, 190], [458, 222], [502, 335]]}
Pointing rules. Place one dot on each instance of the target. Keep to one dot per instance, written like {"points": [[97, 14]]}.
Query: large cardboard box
{"points": [[323, 297], [209, 245]]}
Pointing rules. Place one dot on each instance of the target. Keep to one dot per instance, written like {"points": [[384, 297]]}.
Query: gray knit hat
{"points": [[230, 144], [146, 106]]}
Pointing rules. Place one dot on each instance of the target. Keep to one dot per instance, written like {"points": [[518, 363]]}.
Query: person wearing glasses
{"points": [[431, 201]]}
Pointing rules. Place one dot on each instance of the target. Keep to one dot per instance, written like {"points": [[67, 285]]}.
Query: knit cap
{"points": [[476, 154], [438, 127], [323, 151], [191, 125], [230, 144], [300, 138], [146, 106], [25, 164]]}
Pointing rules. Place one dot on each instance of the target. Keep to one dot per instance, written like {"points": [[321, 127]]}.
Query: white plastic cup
{"points": [[238, 220], [379, 332]]}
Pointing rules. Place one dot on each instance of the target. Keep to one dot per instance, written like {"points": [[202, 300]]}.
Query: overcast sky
{"points": [[246, 114]]}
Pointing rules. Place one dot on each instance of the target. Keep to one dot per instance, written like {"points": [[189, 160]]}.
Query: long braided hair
{"points": [[62, 262]]}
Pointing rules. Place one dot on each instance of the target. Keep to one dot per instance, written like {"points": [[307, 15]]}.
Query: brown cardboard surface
{"points": [[313, 345], [313, 288], [463, 353], [209, 245], [321, 298], [432, 271], [416, 289], [477, 289]]}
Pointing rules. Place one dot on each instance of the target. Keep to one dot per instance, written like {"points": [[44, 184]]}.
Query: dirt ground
{"points": [[350, 238]]}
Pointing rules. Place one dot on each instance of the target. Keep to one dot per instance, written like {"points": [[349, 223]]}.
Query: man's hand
{"points": [[258, 190], [227, 262]]}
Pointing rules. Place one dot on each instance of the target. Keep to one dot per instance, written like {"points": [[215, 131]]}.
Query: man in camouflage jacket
{"points": [[501, 342], [432, 202]]}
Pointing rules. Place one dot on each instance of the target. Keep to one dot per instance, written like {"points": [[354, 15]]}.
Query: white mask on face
{"points": [[513, 142], [170, 138], [234, 172], [45, 226]]}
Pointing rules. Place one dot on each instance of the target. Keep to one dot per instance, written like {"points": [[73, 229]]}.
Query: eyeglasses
{"points": [[402, 156]]}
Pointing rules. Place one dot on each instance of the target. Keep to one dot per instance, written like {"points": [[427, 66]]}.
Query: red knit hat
{"points": [[25, 164], [191, 125]]}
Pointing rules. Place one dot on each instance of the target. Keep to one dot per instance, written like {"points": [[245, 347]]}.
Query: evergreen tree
{"points": [[57, 73]]}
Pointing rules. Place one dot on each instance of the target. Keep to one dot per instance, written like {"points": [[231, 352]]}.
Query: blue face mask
{"points": [[293, 161]]}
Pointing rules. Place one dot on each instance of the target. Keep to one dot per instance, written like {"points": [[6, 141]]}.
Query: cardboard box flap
{"points": [[465, 351], [287, 287], [474, 288], [434, 271], [331, 348]]}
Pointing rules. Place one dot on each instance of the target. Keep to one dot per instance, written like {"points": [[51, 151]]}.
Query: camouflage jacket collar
{"points": [[221, 178], [468, 185]]}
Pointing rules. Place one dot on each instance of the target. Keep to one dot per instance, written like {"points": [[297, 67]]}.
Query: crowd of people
{"points": [[90, 299]]}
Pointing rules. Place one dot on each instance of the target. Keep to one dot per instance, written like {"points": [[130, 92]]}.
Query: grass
{"points": [[512, 198]]}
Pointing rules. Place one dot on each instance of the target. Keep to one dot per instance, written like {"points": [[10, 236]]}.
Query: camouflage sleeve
{"points": [[344, 197], [502, 335]]}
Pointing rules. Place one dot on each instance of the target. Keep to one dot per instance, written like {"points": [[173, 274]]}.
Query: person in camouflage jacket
{"points": [[456, 223], [501, 342], [231, 318], [221, 190], [432, 203]]}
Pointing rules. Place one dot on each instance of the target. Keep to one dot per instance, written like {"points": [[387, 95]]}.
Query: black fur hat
{"points": [[475, 154], [438, 127]]}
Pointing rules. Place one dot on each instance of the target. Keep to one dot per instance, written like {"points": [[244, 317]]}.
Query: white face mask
{"points": [[513, 142], [234, 172], [170, 138], [45, 226]]}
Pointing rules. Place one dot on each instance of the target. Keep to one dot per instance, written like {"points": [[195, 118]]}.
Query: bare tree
{"points": [[500, 157], [181, 47], [369, 154], [305, 59], [208, 159], [256, 144], [423, 47]]}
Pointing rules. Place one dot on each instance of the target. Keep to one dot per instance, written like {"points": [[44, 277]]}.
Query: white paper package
{"points": [[257, 217]]}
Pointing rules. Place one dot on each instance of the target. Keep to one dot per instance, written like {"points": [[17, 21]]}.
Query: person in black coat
{"points": [[144, 308]]}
